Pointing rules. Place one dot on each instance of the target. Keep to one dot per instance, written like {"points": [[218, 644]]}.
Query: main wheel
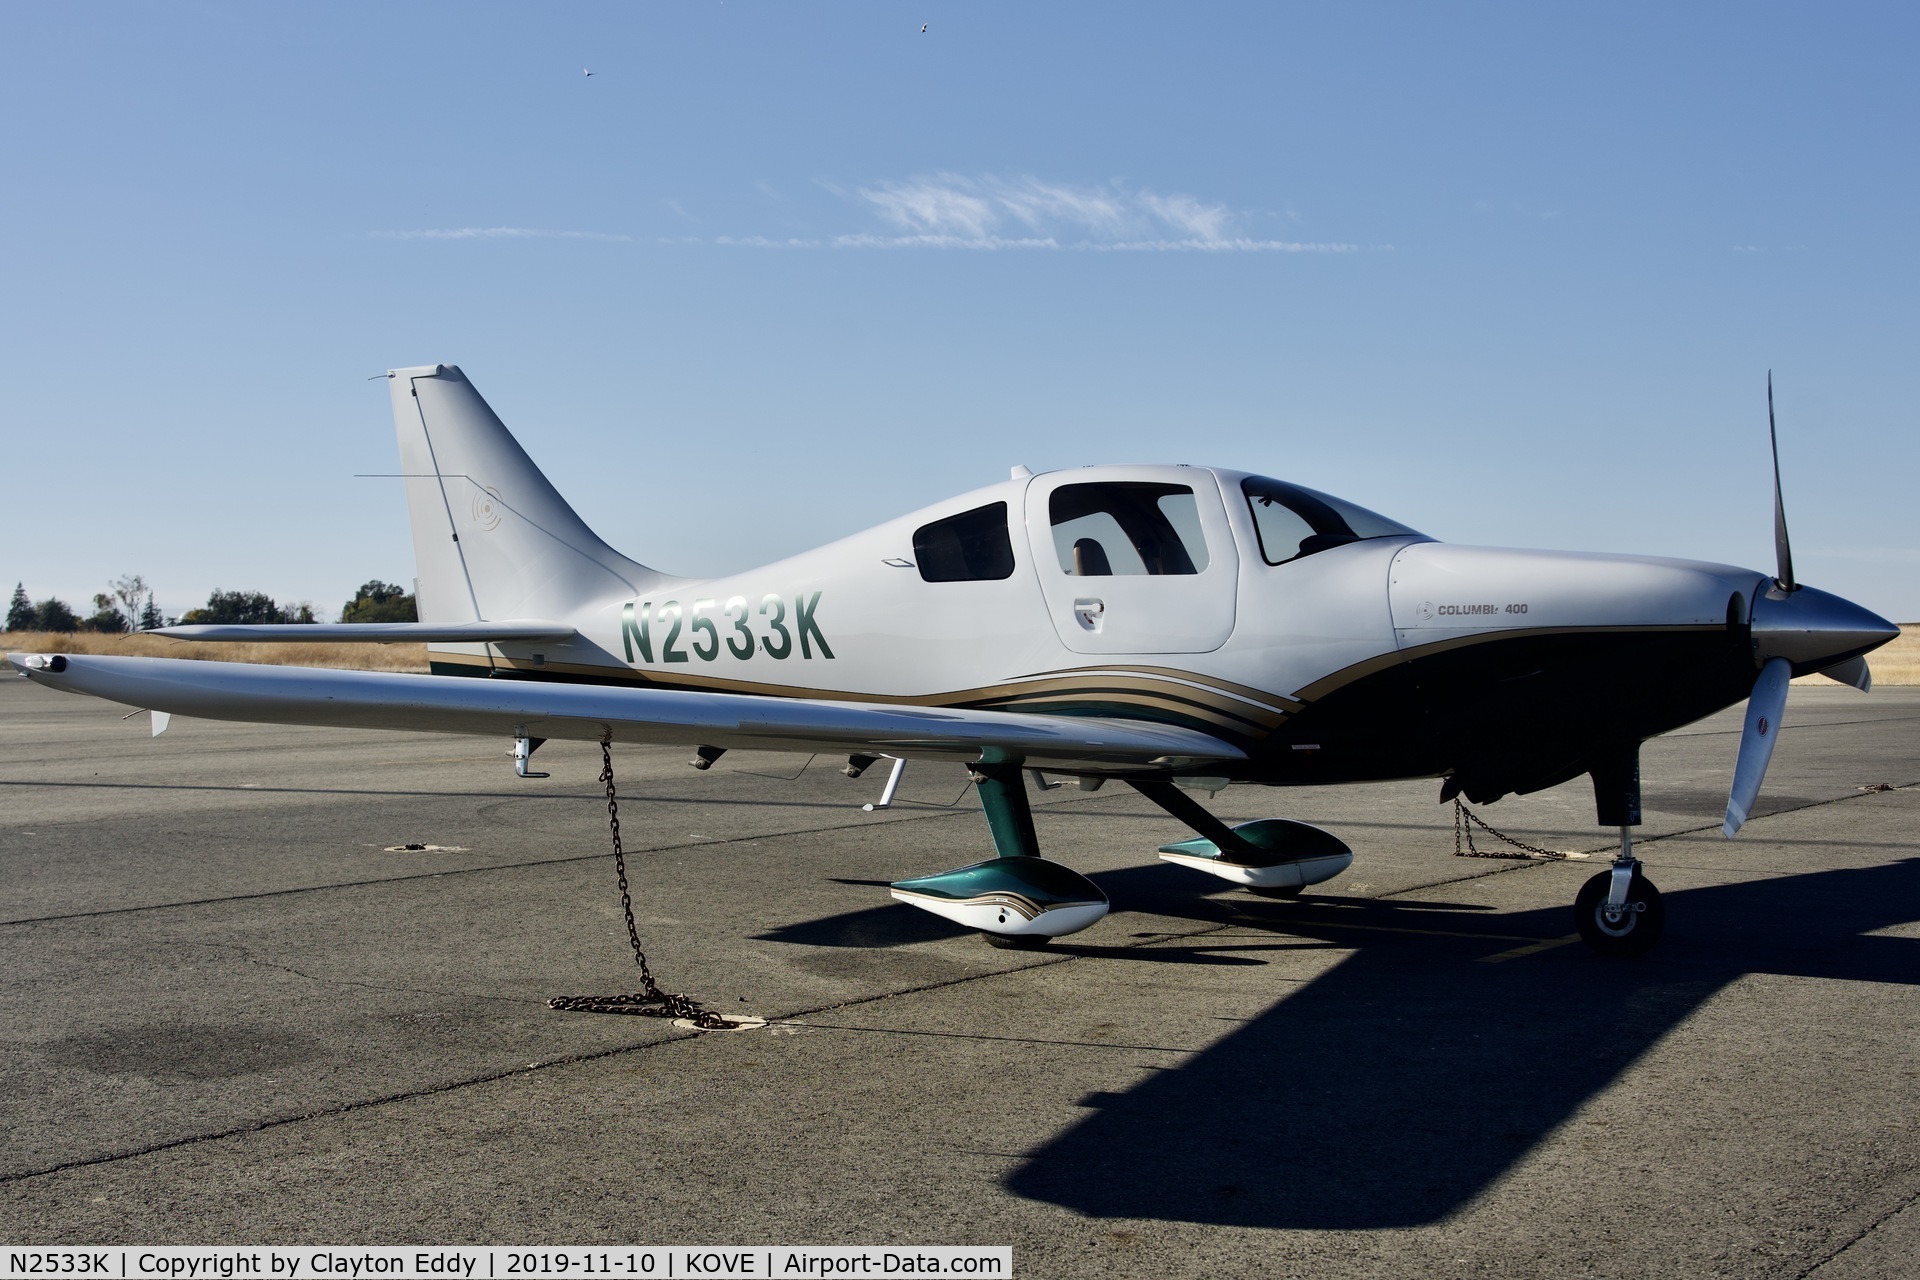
{"points": [[1634, 931], [1286, 891], [1016, 941]]}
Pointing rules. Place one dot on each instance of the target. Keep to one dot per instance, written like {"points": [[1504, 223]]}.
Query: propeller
{"points": [[1768, 701], [1794, 628], [1765, 706], [1782, 549]]}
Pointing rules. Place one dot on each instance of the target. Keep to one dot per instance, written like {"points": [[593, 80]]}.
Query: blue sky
{"points": [[1511, 274]]}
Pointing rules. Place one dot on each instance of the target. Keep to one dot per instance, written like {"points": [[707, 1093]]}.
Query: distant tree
{"points": [[128, 590], [54, 615], [20, 612], [105, 616], [149, 616], [247, 608], [379, 601], [235, 607]]}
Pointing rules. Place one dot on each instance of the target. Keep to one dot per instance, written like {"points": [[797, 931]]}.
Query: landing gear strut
{"points": [[1619, 912]]}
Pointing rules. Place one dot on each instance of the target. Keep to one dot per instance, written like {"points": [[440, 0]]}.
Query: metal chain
{"points": [[650, 1001], [1463, 817]]}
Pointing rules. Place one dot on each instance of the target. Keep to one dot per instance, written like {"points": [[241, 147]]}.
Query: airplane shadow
{"points": [[1404, 1081]]}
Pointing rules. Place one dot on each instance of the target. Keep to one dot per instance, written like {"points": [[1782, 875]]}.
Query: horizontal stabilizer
{"points": [[373, 632], [517, 709]]}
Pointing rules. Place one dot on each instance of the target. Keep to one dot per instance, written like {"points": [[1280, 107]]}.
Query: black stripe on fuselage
{"points": [[1510, 713]]}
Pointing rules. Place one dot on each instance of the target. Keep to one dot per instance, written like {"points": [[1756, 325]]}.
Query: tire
{"points": [[1637, 929], [1016, 941], [1259, 892]]}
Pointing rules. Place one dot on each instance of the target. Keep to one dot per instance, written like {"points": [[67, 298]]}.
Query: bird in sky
{"points": [[585, 72], [923, 28]]}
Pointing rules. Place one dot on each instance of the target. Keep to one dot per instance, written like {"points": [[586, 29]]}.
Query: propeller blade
{"points": [[1782, 549], [1853, 671], [1765, 706]]}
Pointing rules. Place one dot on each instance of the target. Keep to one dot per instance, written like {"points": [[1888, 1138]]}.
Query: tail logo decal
{"points": [[486, 508], [698, 621]]}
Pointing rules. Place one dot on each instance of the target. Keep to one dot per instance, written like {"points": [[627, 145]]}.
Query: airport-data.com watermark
{"points": [[485, 1262]]}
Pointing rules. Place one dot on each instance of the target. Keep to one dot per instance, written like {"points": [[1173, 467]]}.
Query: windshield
{"points": [[1294, 522]]}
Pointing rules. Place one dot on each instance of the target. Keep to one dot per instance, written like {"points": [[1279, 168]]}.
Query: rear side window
{"points": [[971, 547]]}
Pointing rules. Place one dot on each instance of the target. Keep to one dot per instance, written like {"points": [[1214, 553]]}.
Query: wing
{"points": [[515, 708], [371, 632]]}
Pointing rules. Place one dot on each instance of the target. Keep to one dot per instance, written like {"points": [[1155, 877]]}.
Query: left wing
{"points": [[514, 708]]}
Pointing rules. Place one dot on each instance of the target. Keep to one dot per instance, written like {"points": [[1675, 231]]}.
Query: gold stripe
{"points": [[1243, 728], [1016, 902], [1228, 686], [1251, 713]]}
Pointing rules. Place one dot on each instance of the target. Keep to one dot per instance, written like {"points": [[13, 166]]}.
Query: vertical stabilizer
{"points": [[492, 539]]}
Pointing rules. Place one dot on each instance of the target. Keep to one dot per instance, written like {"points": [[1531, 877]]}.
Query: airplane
{"points": [[1172, 628]]}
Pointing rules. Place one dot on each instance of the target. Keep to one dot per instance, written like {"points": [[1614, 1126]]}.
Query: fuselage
{"points": [[1330, 643]]}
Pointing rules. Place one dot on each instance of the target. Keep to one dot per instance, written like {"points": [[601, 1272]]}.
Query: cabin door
{"points": [[1134, 559]]}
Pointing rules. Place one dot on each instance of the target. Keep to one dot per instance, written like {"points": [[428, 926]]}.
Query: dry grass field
{"points": [[1896, 663], [354, 657], [1899, 662]]}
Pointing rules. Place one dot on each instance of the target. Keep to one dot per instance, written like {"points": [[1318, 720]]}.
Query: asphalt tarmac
{"points": [[233, 1011]]}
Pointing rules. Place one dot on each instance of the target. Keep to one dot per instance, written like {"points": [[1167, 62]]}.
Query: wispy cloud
{"points": [[495, 233], [954, 211], [759, 242], [938, 240]]}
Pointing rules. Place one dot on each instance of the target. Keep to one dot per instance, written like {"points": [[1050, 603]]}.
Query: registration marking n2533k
{"points": [[694, 628]]}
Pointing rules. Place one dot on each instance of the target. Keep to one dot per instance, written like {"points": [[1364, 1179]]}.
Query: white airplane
{"points": [[1171, 627]]}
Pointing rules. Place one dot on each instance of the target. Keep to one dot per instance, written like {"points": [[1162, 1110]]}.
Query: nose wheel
{"points": [[1620, 923]]}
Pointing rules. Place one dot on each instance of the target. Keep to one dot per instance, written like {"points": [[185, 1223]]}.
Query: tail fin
{"points": [[491, 537]]}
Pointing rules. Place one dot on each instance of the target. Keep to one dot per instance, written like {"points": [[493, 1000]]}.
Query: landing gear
{"points": [[1619, 912], [1018, 900], [1627, 928], [1272, 857]]}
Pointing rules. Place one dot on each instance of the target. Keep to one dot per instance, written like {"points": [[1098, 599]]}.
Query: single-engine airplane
{"points": [[1170, 627]]}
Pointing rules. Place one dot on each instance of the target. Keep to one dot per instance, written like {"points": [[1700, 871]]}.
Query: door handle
{"points": [[1090, 612]]}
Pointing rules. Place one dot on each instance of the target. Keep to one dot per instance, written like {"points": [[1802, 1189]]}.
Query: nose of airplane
{"points": [[1813, 629]]}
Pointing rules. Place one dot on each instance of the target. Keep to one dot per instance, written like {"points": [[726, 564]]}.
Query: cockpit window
{"points": [[1126, 528], [971, 547], [1293, 522]]}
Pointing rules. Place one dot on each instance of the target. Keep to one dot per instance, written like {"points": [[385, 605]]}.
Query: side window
{"points": [[1126, 528], [971, 547]]}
